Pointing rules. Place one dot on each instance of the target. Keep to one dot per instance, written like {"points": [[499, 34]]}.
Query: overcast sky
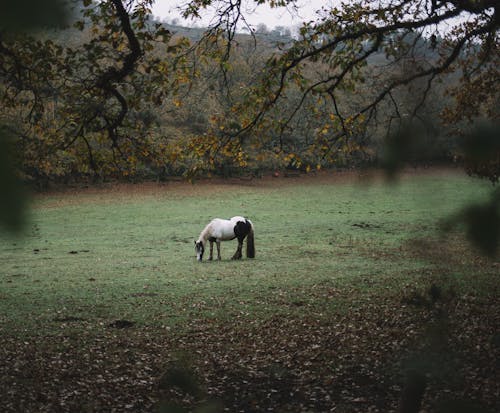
{"points": [[167, 9]]}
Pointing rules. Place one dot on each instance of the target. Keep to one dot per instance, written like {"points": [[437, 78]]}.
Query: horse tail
{"points": [[250, 243]]}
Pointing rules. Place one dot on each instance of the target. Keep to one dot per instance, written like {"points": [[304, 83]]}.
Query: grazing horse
{"points": [[219, 230]]}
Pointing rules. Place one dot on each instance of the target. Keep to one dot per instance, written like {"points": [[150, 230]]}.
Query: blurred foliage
{"points": [[481, 155], [434, 359], [481, 151], [482, 224], [180, 381], [20, 17], [409, 145], [14, 196], [27, 15]]}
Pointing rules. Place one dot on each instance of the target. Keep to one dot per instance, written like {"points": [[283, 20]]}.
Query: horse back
{"points": [[222, 229]]}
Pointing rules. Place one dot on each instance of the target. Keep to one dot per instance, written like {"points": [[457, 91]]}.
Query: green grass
{"points": [[102, 257]]}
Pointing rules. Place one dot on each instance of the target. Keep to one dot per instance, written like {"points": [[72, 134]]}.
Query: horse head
{"points": [[200, 249]]}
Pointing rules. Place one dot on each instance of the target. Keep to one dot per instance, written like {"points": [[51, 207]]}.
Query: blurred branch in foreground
{"points": [[18, 17], [12, 193]]}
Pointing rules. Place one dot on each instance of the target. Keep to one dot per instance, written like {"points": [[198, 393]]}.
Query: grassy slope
{"points": [[323, 249]]}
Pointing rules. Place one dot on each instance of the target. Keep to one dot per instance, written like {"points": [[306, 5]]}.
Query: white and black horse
{"points": [[219, 230]]}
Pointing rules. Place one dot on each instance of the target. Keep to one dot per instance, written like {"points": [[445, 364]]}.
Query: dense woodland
{"points": [[114, 93]]}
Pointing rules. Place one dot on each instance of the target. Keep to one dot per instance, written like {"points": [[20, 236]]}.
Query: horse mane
{"points": [[205, 233]]}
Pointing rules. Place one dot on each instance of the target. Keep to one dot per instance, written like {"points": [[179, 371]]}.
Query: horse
{"points": [[219, 230]]}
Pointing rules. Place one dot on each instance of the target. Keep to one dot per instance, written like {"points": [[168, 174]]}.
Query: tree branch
{"points": [[110, 77]]}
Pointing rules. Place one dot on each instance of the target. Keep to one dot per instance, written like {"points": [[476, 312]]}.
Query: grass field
{"points": [[103, 294]]}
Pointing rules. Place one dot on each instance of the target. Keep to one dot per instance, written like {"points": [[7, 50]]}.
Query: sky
{"points": [[263, 14]]}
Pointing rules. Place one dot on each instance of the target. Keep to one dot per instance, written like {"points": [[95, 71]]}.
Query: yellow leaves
{"points": [[209, 152], [289, 157], [45, 166], [122, 47], [245, 122], [241, 159], [292, 159], [182, 78]]}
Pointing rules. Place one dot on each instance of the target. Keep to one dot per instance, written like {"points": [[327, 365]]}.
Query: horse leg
{"points": [[211, 250], [240, 246], [237, 255], [218, 250]]}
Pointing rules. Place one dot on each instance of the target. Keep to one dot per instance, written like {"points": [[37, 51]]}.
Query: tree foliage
{"points": [[87, 108], [333, 63], [125, 94]]}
